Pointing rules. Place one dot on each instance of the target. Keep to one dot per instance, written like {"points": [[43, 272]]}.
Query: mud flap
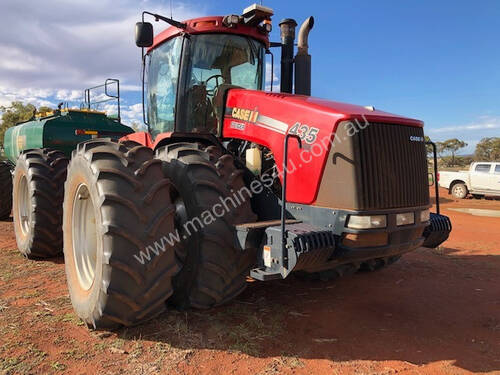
{"points": [[438, 231]]}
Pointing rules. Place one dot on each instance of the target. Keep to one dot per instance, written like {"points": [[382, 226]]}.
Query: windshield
{"points": [[215, 62], [218, 62]]}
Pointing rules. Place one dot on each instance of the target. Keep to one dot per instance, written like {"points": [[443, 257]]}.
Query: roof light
{"points": [[231, 20], [266, 26], [209, 23]]}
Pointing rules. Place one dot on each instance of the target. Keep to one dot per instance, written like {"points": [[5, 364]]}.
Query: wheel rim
{"points": [[84, 237], [24, 206], [459, 190]]}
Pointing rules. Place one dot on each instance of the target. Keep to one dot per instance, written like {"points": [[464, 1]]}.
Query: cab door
{"points": [[495, 178], [480, 177]]}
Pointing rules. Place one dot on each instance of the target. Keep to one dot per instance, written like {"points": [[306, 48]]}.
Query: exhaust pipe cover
{"points": [[303, 60]]}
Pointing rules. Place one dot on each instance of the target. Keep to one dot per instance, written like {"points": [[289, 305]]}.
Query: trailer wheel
{"points": [[5, 190], [38, 191], [214, 269], [117, 210], [459, 190]]}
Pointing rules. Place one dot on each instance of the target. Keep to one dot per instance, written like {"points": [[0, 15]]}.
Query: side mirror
{"points": [[143, 34], [431, 178]]}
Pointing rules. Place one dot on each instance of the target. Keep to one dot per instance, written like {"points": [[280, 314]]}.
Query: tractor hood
{"points": [[265, 118]]}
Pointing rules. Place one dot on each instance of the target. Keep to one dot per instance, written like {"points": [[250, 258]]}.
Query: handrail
{"points": [[436, 187], [283, 197]]}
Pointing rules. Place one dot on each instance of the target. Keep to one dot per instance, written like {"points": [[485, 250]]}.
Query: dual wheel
{"points": [[5, 190], [138, 228]]}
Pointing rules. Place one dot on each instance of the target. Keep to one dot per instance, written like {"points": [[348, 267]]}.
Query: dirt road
{"points": [[433, 312]]}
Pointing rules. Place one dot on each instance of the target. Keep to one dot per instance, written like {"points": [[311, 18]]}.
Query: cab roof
{"points": [[209, 25]]}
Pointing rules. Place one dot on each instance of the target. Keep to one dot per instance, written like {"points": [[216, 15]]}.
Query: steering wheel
{"points": [[216, 77]]}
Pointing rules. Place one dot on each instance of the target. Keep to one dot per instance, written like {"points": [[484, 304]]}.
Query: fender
{"points": [[144, 138]]}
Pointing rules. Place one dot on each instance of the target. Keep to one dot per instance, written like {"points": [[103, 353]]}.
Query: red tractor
{"points": [[231, 181]]}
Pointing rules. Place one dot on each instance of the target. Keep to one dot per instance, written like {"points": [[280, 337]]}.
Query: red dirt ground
{"points": [[433, 312]]}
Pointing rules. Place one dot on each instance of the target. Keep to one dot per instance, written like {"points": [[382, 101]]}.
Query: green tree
{"points": [[430, 152], [15, 113], [452, 146], [488, 149], [43, 109]]}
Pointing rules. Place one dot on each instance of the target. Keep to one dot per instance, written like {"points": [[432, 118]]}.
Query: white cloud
{"points": [[37, 97], [472, 133], [132, 113], [275, 71], [16, 60], [69, 95], [471, 127], [64, 46]]}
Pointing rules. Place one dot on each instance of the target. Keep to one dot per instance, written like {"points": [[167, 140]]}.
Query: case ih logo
{"points": [[416, 138], [245, 114]]}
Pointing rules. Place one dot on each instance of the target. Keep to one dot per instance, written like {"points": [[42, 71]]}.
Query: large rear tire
{"points": [[214, 269], [117, 212], [5, 190], [37, 202]]}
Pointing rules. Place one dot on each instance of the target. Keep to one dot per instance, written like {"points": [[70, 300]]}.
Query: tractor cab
{"points": [[189, 67]]}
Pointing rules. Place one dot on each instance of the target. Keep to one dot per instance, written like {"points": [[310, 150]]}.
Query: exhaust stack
{"points": [[287, 30], [303, 60]]}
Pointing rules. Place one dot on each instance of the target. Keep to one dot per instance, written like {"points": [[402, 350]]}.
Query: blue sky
{"points": [[438, 61], [435, 61]]}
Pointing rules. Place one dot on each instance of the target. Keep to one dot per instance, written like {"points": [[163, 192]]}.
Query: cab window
{"points": [[497, 169], [218, 62], [482, 168]]}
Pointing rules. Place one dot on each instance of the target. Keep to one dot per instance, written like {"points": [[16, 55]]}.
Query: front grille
{"points": [[391, 168]]}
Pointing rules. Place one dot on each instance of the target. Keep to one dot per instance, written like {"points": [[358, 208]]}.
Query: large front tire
{"points": [[214, 269], [117, 210], [38, 191], [5, 190]]}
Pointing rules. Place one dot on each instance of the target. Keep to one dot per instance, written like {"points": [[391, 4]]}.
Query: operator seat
{"points": [[200, 107], [218, 100]]}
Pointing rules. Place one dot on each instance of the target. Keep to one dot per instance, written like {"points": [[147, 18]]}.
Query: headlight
{"points": [[406, 218], [367, 222], [425, 215]]}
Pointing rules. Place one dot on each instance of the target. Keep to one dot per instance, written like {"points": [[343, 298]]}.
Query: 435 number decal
{"points": [[306, 133]]}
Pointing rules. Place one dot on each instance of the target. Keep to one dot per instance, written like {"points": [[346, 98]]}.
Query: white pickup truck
{"points": [[482, 178]]}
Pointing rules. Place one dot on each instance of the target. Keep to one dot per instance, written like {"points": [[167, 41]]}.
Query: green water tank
{"points": [[59, 131]]}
